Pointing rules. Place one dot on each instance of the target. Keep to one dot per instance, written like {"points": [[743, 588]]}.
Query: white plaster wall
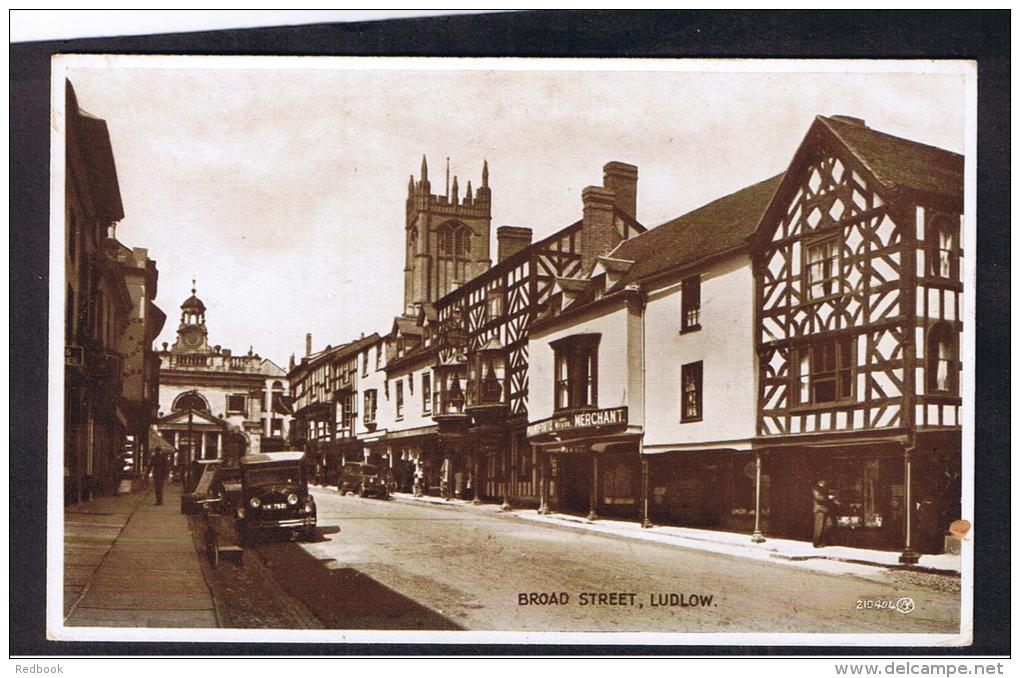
{"points": [[613, 387], [725, 345]]}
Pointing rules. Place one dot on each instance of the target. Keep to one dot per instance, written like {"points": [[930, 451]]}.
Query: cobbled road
{"points": [[402, 564]]}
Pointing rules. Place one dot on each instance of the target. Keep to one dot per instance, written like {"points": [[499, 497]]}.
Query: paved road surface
{"points": [[409, 565]]}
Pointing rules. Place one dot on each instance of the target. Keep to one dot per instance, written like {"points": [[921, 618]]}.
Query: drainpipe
{"points": [[757, 537], [909, 555]]}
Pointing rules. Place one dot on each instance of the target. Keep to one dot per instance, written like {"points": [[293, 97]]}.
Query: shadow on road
{"points": [[346, 598]]}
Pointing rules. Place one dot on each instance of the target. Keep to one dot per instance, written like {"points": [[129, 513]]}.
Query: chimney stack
{"points": [[510, 240], [621, 178], [308, 343], [850, 119], [598, 227]]}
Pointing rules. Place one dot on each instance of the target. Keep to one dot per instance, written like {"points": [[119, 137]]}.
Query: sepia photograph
{"points": [[472, 350]]}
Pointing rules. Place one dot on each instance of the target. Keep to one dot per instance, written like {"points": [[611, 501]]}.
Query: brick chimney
{"points": [[510, 240], [598, 227], [308, 343], [621, 178]]}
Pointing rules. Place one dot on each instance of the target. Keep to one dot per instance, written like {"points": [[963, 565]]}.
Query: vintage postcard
{"points": [[534, 351]]}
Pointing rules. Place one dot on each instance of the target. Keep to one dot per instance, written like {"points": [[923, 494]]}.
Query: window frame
{"points": [[398, 407], [932, 360], [690, 304], [841, 374], [580, 354], [696, 371], [244, 403], [371, 405], [426, 393], [836, 276], [942, 225]]}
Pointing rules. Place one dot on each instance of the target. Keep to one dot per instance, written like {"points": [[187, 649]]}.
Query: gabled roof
{"points": [[719, 226], [197, 418], [406, 325], [897, 162]]}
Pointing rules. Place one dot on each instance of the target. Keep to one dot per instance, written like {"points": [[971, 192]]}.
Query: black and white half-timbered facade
{"points": [[481, 339], [859, 319]]}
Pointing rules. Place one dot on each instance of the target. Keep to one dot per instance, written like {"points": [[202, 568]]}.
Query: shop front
{"points": [[589, 463]]}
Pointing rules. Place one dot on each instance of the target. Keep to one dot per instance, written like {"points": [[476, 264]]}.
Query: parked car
{"points": [[274, 495], [364, 479]]}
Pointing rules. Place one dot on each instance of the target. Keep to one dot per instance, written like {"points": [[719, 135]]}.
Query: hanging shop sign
{"points": [[580, 421]]}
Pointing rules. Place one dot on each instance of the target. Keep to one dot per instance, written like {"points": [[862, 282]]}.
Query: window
{"points": [[235, 404], [821, 268], [400, 399], [276, 427], [825, 371], [349, 412], [690, 304], [942, 253], [494, 305], [576, 383], [690, 378], [378, 357], [371, 402], [364, 363], [426, 393], [941, 366]]}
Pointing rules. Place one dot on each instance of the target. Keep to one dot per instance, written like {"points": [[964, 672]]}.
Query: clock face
{"points": [[192, 338]]}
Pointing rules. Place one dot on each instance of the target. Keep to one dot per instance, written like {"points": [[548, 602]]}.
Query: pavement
{"points": [[130, 563], [727, 543]]}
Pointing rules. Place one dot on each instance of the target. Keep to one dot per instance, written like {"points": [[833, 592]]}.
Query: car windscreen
{"points": [[290, 475]]}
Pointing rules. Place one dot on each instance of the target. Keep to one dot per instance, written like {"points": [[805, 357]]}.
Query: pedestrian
{"points": [[159, 466], [824, 504]]}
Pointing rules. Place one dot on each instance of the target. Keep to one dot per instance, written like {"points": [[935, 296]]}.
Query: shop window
{"points": [[426, 393], [400, 398], [691, 380], [576, 380], [943, 259], [821, 268], [941, 359], [235, 403], [825, 371], [690, 304], [619, 483], [371, 403]]}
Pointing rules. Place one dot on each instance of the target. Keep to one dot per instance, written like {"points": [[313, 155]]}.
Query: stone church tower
{"points": [[446, 237]]}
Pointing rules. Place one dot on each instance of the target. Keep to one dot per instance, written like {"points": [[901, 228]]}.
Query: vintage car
{"points": [[274, 496], [363, 479]]}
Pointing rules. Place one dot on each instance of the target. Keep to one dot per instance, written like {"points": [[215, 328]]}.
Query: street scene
{"points": [[334, 359]]}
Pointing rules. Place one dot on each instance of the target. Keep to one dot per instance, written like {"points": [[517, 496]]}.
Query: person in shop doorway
{"points": [[824, 506], [159, 466]]}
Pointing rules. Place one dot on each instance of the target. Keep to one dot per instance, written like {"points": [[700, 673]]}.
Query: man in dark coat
{"points": [[159, 466], [824, 505]]}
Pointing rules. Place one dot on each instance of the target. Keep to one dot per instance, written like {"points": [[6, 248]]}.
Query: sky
{"points": [[279, 186]]}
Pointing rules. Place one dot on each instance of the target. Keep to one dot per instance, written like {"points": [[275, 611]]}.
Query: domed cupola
{"points": [[192, 336]]}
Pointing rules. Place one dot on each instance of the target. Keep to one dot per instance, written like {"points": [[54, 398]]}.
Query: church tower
{"points": [[446, 237], [192, 335]]}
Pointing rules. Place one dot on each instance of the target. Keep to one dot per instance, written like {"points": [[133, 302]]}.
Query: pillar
{"points": [[509, 453], [476, 479], [909, 555], [219, 446], [757, 537], [593, 502], [543, 480], [447, 475], [645, 520]]}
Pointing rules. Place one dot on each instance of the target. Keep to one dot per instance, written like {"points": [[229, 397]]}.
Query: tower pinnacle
{"points": [[485, 174], [424, 168]]}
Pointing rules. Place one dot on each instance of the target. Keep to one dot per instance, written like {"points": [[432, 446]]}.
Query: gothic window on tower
{"points": [[825, 371], [821, 268], [941, 360], [943, 261]]}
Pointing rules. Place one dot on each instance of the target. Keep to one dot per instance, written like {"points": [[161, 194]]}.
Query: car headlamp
{"points": [[255, 502], [292, 499]]}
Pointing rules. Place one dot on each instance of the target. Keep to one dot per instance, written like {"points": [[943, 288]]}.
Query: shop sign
{"points": [[592, 419]]}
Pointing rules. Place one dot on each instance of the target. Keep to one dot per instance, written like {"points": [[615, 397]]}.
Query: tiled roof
{"points": [[716, 227], [898, 162], [407, 325]]}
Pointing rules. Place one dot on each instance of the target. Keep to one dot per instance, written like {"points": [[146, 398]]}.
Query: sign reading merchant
{"points": [[577, 421]]}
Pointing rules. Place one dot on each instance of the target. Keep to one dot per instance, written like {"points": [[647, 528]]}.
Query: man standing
{"points": [[159, 466], [824, 503]]}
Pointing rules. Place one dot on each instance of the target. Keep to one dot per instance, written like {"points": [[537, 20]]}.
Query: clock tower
{"points": [[192, 335]]}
